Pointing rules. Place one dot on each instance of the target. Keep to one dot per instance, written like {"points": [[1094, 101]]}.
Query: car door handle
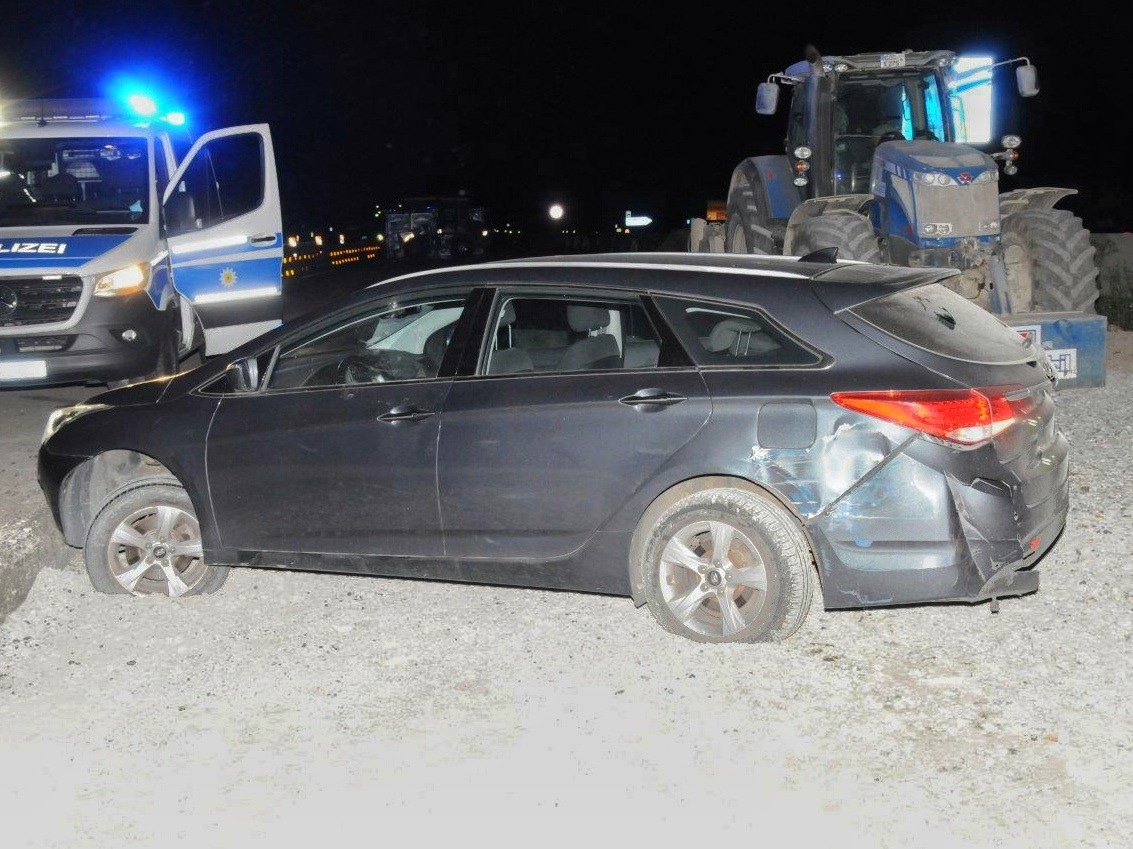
{"points": [[263, 239], [652, 398], [405, 413]]}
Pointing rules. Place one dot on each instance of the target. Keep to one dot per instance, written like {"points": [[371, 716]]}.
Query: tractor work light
{"points": [[802, 152], [1011, 142], [802, 166], [800, 181]]}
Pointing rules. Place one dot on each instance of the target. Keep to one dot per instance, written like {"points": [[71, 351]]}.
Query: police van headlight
{"points": [[64, 415], [124, 281]]}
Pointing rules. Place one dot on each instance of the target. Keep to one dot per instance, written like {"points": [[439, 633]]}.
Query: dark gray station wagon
{"points": [[718, 437]]}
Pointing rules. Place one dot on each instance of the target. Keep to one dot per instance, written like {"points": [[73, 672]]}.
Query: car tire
{"points": [[150, 523], [759, 590]]}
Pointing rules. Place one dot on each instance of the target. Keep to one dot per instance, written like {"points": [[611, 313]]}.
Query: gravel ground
{"points": [[290, 708]]}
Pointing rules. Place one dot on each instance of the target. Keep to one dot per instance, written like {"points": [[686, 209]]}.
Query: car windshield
{"points": [[65, 181], [870, 109]]}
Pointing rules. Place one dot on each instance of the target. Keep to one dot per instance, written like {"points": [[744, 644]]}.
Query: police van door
{"points": [[224, 232]]}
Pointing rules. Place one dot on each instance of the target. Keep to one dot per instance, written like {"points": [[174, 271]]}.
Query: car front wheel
{"points": [[146, 540], [726, 565]]}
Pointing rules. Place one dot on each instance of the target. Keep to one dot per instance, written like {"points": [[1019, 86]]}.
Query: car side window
{"points": [[718, 335], [396, 343], [557, 334]]}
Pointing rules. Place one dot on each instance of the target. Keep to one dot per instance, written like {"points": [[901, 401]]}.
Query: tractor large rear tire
{"points": [[746, 231], [1053, 248], [849, 232]]}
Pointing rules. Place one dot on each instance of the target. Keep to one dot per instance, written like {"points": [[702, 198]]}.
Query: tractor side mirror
{"points": [[767, 98], [1027, 78]]}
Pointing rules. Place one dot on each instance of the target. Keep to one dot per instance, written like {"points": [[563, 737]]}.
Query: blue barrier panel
{"points": [[1074, 344]]}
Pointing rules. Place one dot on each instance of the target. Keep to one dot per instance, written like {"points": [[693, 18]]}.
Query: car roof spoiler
{"points": [[848, 285]]}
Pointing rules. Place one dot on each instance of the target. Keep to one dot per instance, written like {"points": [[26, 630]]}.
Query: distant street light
{"points": [[556, 211]]}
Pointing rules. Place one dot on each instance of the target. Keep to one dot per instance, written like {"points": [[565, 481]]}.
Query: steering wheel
{"points": [[359, 369], [891, 135]]}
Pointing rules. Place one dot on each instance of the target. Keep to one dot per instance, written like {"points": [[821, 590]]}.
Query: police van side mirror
{"points": [[180, 213], [1027, 78], [767, 98]]}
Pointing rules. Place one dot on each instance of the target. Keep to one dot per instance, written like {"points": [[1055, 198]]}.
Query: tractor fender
{"points": [[1038, 198], [772, 178], [834, 205]]}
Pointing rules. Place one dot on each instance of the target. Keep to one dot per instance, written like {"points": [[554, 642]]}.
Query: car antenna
{"points": [[827, 255]]}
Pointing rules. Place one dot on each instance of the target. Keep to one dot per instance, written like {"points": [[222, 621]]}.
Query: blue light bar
{"points": [[142, 104], [177, 119]]}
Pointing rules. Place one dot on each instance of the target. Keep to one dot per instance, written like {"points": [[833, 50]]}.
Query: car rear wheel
{"points": [[725, 565], [146, 540]]}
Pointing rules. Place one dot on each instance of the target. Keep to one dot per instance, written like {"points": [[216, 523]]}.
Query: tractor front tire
{"points": [[1052, 249], [849, 232]]}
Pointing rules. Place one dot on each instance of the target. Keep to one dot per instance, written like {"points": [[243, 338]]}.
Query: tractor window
{"points": [[872, 108], [970, 93]]}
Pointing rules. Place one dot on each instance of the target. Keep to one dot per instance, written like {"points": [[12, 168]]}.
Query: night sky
{"points": [[604, 106]]}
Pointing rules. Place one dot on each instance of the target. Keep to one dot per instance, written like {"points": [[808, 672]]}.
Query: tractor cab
{"points": [[843, 108]]}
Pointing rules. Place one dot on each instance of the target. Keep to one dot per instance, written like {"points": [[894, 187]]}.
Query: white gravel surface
{"points": [[297, 709]]}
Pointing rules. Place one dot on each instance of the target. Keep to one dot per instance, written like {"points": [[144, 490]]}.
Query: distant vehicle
{"points": [[123, 246], [696, 432], [441, 228]]}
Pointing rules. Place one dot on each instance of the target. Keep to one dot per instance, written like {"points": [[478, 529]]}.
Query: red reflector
{"points": [[1035, 543], [963, 416]]}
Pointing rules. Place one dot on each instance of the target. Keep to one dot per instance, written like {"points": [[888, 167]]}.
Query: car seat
{"points": [[590, 352]]}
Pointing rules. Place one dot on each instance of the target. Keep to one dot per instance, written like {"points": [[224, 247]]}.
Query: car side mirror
{"points": [[244, 375], [1027, 78], [767, 98]]}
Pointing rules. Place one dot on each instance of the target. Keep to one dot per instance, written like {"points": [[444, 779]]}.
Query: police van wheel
{"points": [[145, 540]]}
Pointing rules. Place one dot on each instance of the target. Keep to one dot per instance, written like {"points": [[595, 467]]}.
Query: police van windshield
{"points": [[83, 181]]}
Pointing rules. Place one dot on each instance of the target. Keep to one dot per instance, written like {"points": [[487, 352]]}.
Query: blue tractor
{"points": [[880, 164]]}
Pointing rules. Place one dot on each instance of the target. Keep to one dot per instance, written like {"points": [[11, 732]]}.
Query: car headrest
{"points": [[587, 318], [507, 316], [725, 334]]}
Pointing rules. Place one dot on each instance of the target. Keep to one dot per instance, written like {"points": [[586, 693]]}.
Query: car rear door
{"points": [[223, 224], [560, 426]]}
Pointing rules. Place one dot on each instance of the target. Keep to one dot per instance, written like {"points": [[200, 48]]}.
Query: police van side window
{"points": [[225, 180]]}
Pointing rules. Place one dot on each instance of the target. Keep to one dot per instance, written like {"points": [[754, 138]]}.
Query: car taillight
{"points": [[963, 416]]}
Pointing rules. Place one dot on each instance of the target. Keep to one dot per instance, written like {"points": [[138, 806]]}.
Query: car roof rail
{"points": [[827, 255]]}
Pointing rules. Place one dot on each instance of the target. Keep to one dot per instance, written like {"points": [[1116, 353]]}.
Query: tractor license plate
{"points": [[22, 369], [893, 60]]}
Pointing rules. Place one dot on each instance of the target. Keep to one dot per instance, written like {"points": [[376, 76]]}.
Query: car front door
{"points": [[578, 401], [336, 453], [224, 231]]}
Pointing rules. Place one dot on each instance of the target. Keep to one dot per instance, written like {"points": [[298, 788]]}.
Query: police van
{"points": [[123, 246]]}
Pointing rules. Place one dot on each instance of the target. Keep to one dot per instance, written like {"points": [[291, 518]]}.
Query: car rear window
{"points": [[936, 319]]}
